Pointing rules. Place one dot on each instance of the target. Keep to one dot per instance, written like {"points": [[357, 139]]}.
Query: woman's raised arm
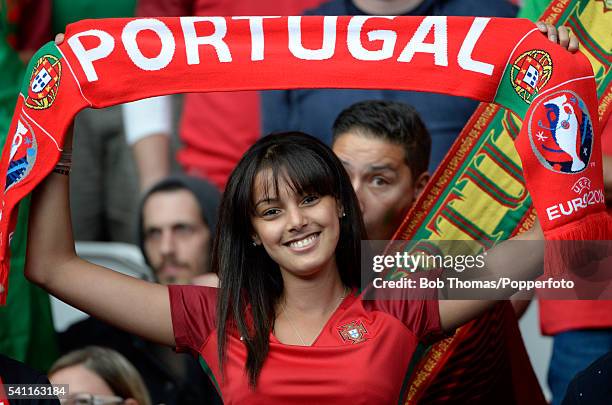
{"points": [[133, 305], [513, 259]]}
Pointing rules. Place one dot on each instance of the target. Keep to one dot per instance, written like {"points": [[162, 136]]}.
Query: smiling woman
{"points": [[293, 195]]}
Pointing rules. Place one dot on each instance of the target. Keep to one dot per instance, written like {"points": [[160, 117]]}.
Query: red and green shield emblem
{"points": [[530, 72], [44, 82]]}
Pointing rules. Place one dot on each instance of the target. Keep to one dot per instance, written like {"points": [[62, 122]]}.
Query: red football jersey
{"points": [[361, 356]]}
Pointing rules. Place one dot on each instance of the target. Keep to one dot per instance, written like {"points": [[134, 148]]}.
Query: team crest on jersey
{"points": [[44, 83], [561, 133], [23, 154], [530, 72], [353, 332]]}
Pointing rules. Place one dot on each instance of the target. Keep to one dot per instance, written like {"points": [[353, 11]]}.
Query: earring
{"points": [[254, 244], [343, 214]]}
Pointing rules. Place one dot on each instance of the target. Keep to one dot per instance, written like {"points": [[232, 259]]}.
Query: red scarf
{"points": [[507, 61]]}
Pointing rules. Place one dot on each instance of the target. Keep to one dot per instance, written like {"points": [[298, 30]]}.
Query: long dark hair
{"points": [[250, 282]]}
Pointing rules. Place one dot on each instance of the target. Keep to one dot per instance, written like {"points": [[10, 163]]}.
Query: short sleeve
{"points": [[421, 315], [193, 311]]}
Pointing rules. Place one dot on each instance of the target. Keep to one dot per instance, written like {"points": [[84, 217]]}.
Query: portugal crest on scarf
{"points": [[561, 133], [22, 156], [44, 82], [353, 332], [530, 72]]}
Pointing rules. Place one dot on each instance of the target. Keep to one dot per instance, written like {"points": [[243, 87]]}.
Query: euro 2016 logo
{"points": [[561, 133], [44, 82]]}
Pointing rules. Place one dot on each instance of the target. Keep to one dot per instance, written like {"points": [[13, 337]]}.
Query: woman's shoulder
{"points": [[206, 280], [192, 293]]}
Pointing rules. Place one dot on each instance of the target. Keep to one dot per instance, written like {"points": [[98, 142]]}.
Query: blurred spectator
{"points": [[104, 180], [177, 221], [215, 128], [97, 375], [15, 372], [313, 110]]}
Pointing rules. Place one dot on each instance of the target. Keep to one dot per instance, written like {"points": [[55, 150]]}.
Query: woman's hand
{"points": [[561, 36]]}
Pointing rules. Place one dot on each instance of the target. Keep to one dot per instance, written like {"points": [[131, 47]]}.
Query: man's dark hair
{"points": [[392, 121]]}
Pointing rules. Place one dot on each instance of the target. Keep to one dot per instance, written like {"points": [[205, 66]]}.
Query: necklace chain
{"points": [[344, 294]]}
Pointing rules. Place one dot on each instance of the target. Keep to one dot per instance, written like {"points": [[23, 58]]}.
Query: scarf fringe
{"points": [[571, 247]]}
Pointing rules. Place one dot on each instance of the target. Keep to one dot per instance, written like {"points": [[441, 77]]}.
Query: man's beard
{"points": [[183, 276], [176, 280]]}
